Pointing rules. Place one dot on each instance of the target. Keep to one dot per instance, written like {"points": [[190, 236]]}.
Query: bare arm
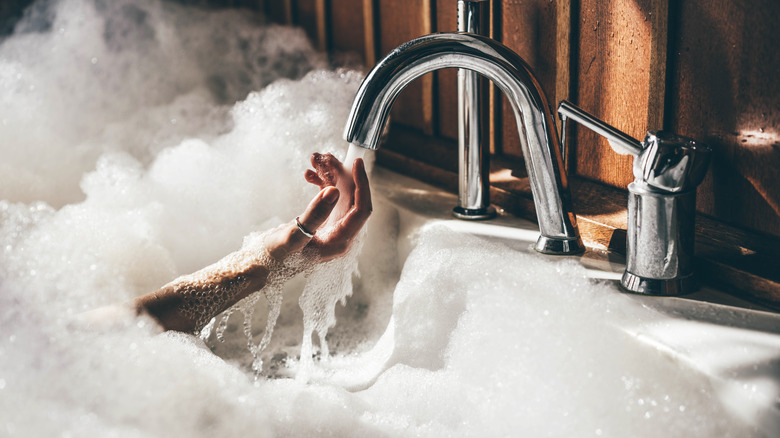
{"points": [[188, 302]]}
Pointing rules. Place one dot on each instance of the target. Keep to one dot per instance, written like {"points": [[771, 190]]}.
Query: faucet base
{"points": [[471, 214], [559, 245], [659, 287]]}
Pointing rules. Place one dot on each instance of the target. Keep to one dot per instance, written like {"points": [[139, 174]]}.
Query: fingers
{"points": [[315, 215], [312, 177], [319, 209], [328, 168], [290, 239], [351, 224]]}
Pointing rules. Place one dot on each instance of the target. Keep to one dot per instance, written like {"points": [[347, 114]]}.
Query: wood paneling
{"points": [[447, 79], [725, 92], [612, 82], [528, 28], [310, 14], [401, 21], [347, 28], [657, 68], [280, 11]]}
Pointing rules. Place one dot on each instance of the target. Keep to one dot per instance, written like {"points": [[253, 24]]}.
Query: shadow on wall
{"points": [[726, 93]]}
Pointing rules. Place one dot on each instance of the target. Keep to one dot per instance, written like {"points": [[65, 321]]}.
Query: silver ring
{"points": [[303, 230]]}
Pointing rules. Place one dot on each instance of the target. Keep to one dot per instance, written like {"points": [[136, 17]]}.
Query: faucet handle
{"points": [[620, 142], [664, 161], [671, 162]]}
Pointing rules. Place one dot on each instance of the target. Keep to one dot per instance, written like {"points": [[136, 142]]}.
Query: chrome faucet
{"points": [[661, 204], [535, 121]]}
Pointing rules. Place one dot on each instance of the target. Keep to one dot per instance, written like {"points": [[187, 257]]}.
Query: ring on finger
{"points": [[303, 229]]}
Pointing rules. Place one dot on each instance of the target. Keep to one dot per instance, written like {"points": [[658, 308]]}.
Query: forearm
{"points": [[191, 301]]}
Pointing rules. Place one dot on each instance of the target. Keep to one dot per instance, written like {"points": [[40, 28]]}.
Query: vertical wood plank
{"points": [[401, 21], [612, 81], [346, 30], [280, 11], [528, 28], [495, 95], [312, 16], [724, 92], [322, 25], [563, 26], [447, 79], [659, 41], [306, 17], [427, 81], [371, 32]]}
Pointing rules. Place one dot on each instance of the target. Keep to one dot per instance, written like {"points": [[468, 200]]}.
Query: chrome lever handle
{"points": [[620, 142]]}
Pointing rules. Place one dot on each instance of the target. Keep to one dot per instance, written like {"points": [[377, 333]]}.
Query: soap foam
{"points": [[122, 170]]}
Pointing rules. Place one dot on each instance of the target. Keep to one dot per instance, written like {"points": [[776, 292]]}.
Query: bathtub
{"points": [[452, 329], [461, 328]]}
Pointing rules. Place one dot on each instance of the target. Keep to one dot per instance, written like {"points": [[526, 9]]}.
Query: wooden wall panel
{"points": [[528, 28], [401, 21], [279, 11], [447, 80], [347, 29], [310, 18], [725, 92], [612, 82]]}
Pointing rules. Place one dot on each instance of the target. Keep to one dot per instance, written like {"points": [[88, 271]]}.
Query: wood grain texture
{"points": [[528, 28], [280, 11], [725, 92], [370, 32], [401, 21], [306, 17], [563, 71], [657, 68], [612, 82], [447, 79], [347, 29]]}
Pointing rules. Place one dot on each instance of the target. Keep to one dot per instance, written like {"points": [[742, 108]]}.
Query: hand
{"points": [[336, 215], [288, 239], [353, 208]]}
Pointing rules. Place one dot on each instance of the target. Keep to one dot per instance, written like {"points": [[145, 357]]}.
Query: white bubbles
{"points": [[121, 174], [65, 96]]}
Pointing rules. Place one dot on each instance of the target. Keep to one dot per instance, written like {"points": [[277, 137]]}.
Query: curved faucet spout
{"points": [[535, 122]]}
